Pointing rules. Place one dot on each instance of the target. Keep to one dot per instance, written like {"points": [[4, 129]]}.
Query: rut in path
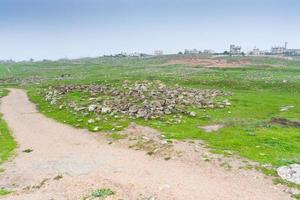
{"points": [[86, 163]]}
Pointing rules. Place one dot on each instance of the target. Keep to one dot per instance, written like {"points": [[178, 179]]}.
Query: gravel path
{"points": [[86, 163]]}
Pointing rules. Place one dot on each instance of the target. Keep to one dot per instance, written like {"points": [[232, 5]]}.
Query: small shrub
{"points": [[102, 193], [4, 192]]}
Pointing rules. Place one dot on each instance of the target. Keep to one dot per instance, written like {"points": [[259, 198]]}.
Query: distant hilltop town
{"points": [[237, 50], [234, 50], [276, 50]]}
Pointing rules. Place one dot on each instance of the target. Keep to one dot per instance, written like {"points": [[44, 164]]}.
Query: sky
{"points": [[53, 29]]}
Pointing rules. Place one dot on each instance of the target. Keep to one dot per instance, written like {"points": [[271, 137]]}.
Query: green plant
{"points": [[4, 192], [101, 193]]}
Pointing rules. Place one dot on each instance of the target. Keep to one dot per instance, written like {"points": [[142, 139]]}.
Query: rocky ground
{"points": [[143, 99]]}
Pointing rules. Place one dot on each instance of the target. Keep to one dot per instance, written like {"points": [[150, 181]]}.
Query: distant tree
{"points": [[243, 54], [226, 53], [31, 60], [180, 53]]}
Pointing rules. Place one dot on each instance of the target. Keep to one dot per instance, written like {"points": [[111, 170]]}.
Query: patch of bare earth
{"points": [[68, 163], [211, 128], [205, 62]]}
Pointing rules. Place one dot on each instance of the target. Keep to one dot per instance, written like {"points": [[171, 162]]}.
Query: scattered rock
{"points": [[41, 184], [58, 177], [105, 110], [92, 108], [149, 140], [226, 102], [286, 108], [292, 191], [91, 121], [193, 114], [167, 158], [28, 150], [141, 99], [290, 173]]}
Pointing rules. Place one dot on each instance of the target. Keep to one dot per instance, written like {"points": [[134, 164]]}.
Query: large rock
{"points": [[290, 173], [92, 108], [133, 109], [105, 110]]}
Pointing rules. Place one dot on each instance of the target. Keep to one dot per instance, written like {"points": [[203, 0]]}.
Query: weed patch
{"points": [[4, 192], [100, 194]]}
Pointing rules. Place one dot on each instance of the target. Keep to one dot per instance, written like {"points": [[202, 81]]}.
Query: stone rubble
{"points": [[141, 99], [290, 173]]}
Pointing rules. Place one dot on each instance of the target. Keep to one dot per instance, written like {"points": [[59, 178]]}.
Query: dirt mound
{"points": [[285, 122], [149, 140], [204, 62]]}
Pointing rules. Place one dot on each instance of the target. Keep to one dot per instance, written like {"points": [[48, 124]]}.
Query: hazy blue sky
{"points": [[77, 28]]}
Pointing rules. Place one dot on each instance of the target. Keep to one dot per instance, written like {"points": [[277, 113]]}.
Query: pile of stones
{"points": [[141, 99]]}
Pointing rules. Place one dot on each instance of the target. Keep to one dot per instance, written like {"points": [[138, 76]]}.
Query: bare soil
{"points": [[204, 62], [285, 122], [211, 128], [85, 162]]}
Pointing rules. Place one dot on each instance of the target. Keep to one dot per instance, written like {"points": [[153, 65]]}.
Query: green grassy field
{"points": [[259, 90], [7, 143]]}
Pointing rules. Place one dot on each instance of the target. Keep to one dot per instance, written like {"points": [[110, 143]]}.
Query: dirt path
{"points": [[86, 164]]}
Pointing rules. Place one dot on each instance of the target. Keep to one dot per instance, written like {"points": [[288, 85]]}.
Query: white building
{"points": [[235, 50], [207, 51], [191, 51], [256, 51], [292, 52], [158, 52], [279, 49]]}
